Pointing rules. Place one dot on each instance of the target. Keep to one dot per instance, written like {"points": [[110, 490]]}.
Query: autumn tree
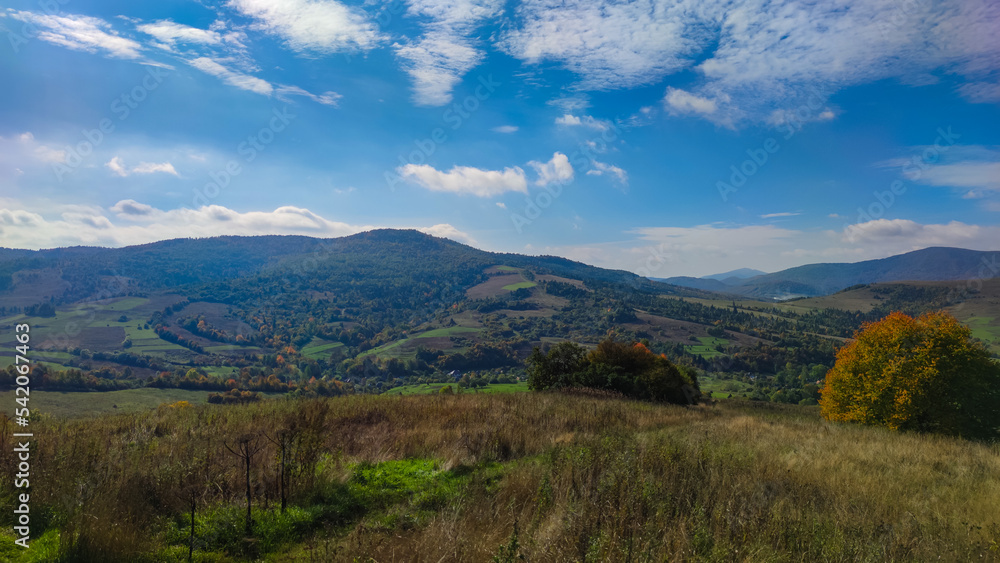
{"points": [[925, 374]]}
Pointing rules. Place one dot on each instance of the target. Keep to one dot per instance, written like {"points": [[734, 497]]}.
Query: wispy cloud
{"points": [[81, 33], [602, 168], [570, 120], [445, 51], [233, 77], [782, 214]]}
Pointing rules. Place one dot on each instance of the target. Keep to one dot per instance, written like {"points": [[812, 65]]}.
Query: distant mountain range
{"points": [[929, 264], [733, 276]]}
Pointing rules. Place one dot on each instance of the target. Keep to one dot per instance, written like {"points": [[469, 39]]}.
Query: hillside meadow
{"points": [[501, 477]]}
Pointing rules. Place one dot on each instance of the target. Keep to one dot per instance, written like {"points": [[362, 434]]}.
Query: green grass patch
{"points": [[508, 269], [229, 348], [221, 371], [319, 351], [437, 332], [985, 329], [126, 304], [707, 347], [520, 285], [447, 331]]}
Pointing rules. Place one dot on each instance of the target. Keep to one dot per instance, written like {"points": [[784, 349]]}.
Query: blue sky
{"points": [[680, 138]]}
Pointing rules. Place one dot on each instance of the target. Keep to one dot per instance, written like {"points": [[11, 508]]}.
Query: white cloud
{"points": [[910, 234], [981, 175], [506, 129], [786, 214], [436, 63], [445, 52], [447, 231], [570, 120], [981, 92], [602, 168], [609, 44], [130, 208], [557, 169], [117, 166], [466, 179], [322, 26], [570, 104], [763, 55], [153, 167], [80, 33], [683, 102], [170, 32], [501, 205], [38, 151]]}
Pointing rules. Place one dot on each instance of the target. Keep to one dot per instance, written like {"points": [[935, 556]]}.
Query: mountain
{"points": [[929, 264], [67, 275], [740, 274], [703, 284], [720, 283]]}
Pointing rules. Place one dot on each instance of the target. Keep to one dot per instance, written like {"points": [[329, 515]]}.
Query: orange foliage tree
{"points": [[924, 374]]}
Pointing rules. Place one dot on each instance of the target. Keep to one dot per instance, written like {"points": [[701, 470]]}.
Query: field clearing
{"points": [[438, 338], [320, 350], [986, 329], [722, 388], [221, 371], [494, 286], [707, 347], [230, 349], [72, 404], [8, 359], [520, 285]]}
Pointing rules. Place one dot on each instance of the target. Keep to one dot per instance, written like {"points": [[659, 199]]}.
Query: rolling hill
{"points": [[929, 264]]}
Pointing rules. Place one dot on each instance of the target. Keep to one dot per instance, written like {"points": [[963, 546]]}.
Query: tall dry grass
{"points": [[585, 478]]}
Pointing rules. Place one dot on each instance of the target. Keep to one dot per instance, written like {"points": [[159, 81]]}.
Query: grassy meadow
{"points": [[501, 477]]}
